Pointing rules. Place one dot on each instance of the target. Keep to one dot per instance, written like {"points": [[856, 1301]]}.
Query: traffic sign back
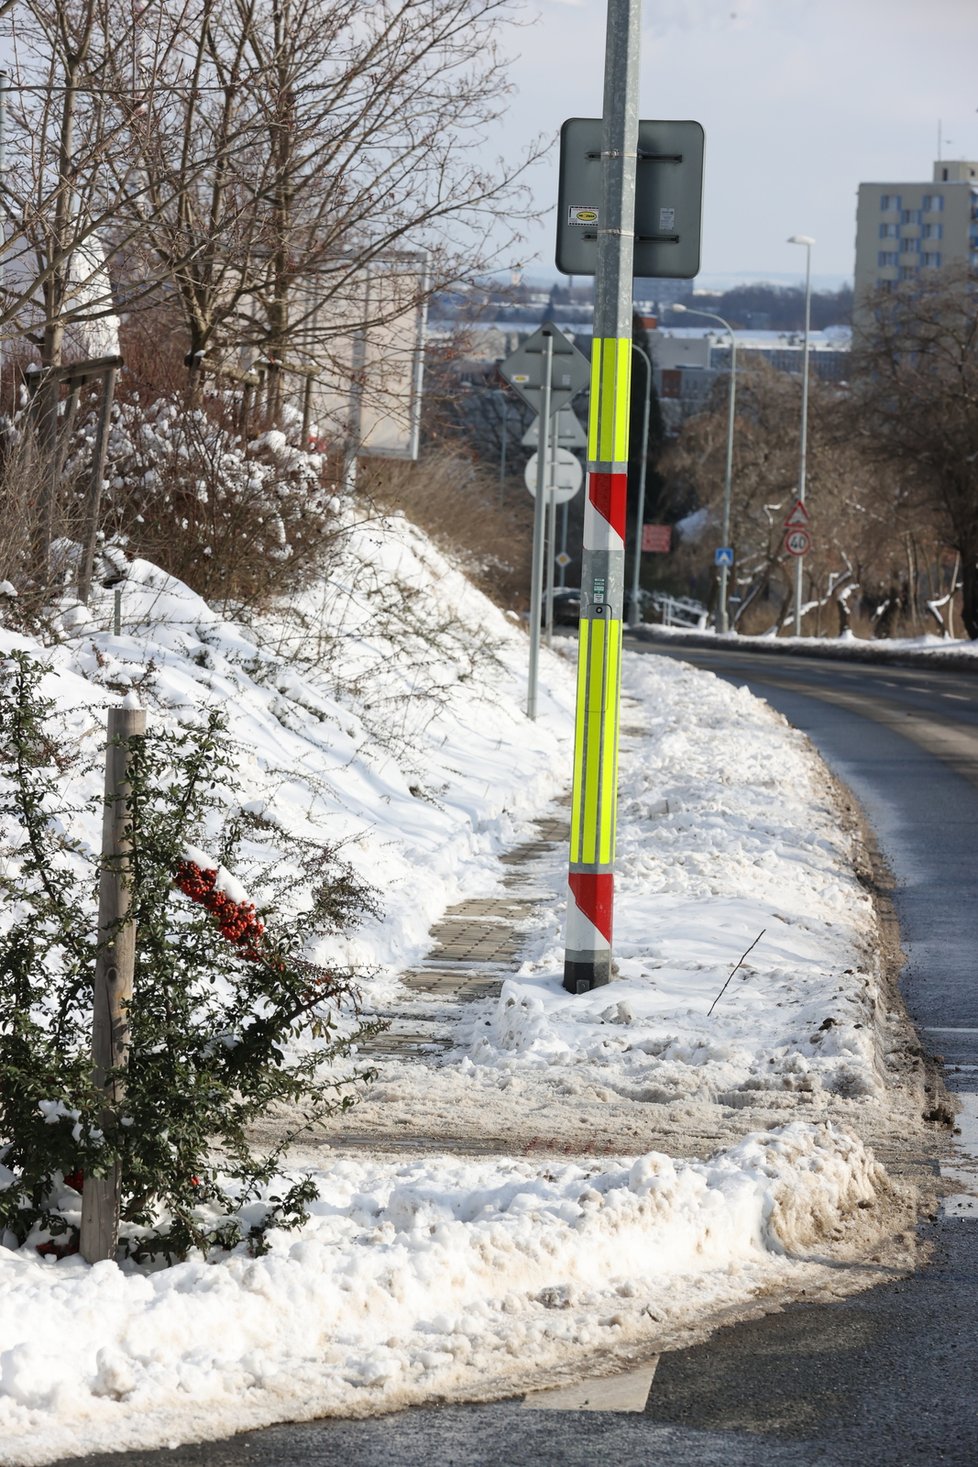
{"points": [[570, 433], [567, 471], [571, 370]]}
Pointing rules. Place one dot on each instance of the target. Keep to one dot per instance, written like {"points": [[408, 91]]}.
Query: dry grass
{"points": [[458, 504]]}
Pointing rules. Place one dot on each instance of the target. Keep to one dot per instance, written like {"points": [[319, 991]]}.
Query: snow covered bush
{"points": [[227, 1021], [239, 520]]}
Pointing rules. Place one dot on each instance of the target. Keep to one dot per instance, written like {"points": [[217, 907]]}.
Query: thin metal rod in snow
{"points": [[740, 963]]}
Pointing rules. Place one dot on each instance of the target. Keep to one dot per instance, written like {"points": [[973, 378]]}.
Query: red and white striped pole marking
{"points": [[587, 958]]}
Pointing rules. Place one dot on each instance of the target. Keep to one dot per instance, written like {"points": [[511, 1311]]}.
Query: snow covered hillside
{"points": [[719, 1146]]}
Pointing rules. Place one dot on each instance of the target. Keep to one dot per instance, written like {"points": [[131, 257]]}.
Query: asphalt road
{"points": [[888, 1378], [905, 741]]}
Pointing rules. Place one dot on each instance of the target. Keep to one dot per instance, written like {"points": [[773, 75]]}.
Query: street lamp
{"points": [[807, 241], [723, 620]]}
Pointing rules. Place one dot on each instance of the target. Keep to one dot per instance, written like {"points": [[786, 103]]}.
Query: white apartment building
{"points": [[904, 229]]}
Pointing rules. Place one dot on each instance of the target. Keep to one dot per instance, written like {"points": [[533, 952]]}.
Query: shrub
{"points": [[222, 1019]]}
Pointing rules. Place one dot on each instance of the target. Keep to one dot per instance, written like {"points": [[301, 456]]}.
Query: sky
{"points": [[801, 100], [666, 1149]]}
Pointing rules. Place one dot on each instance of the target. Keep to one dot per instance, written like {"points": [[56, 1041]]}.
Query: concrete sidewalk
{"points": [[474, 947]]}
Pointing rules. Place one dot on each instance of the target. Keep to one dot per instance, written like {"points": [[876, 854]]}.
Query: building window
{"points": [[933, 231], [888, 231], [933, 203], [889, 201], [908, 272], [910, 246], [932, 260], [887, 257], [909, 216]]}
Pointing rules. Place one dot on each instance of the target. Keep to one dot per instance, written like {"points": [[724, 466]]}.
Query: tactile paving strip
{"points": [[474, 947]]}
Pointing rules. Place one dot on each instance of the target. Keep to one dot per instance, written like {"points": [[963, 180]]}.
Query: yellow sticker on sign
{"points": [[581, 214]]}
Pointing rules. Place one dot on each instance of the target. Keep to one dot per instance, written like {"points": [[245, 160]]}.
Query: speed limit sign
{"points": [[797, 542]]}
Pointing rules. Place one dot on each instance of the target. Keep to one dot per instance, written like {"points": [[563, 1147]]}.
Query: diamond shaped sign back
{"points": [[570, 373]]}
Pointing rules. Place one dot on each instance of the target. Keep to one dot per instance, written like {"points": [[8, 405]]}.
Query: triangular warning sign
{"points": [[798, 518]]}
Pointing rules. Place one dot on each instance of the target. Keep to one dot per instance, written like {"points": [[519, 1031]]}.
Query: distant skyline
{"points": [[801, 100]]}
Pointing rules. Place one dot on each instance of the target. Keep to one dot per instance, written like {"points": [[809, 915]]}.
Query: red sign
{"points": [[797, 542], [657, 538], [798, 517]]}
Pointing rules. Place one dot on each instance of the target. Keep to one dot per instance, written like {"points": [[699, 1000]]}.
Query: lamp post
{"points": [[723, 620], [640, 512], [807, 241]]}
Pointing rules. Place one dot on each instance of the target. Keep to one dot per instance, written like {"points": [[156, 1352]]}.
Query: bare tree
{"points": [[859, 518], [915, 405], [70, 166], [299, 141]]}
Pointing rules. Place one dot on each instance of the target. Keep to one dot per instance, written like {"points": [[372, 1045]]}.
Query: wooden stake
{"points": [[113, 976]]}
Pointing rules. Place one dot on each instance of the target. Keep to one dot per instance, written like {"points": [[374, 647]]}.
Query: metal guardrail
{"points": [[676, 611]]}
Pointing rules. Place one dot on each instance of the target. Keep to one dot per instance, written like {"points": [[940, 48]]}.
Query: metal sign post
{"points": [[547, 371], [564, 480], [539, 512], [587, 957]]}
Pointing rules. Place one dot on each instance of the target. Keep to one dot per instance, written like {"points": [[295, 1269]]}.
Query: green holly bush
{"points": [[229, 1025]]}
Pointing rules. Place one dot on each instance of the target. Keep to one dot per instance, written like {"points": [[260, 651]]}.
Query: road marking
{"points": [[951, 1029], [963, 1169], [628, 1392]]}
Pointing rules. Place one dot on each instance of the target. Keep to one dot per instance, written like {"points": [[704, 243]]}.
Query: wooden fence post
{"points": [[113, 976]]}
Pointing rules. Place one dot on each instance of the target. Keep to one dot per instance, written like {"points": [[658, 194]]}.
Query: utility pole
{"points": [[587, 958]]}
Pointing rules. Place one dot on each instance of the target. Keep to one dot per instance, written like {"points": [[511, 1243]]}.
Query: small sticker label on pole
{"points": [[667, 219], [581, 214]]}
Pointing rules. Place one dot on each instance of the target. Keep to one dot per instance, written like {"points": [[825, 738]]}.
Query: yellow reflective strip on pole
{"points": [[609, 746], [609, 402], [592, 837], [611, 372], [594, 411], [623, 391], [582, 666], [591, 793]]}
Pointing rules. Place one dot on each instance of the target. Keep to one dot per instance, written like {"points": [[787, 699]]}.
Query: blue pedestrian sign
{"points": [[723, 555]]}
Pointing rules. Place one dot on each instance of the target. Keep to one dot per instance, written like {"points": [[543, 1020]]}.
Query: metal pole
{"points": [[502, 447], [723, 618], [551, 531], [590, 907], [636, 613], [95, 489], [358, 373], [539, 513], [724, 612], [803, 460]]}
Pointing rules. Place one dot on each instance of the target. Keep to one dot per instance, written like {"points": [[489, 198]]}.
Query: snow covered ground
{"points": [[718, 1159]]}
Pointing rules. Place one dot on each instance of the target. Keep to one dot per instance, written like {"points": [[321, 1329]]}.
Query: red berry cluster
{"points": [[238, 921], [59, 1250]]}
